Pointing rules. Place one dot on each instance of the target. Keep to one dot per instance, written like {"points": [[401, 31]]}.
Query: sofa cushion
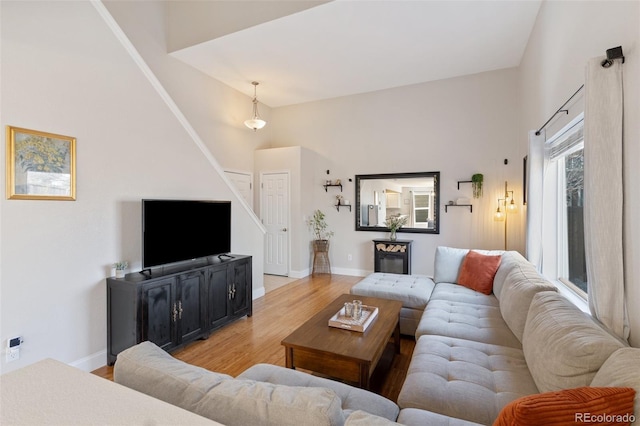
{"points": [[477, 271], [150, 370], [564, 347], [622, 369], [480, 323], [448, 260], [460, 294], [412, 290], [409, 320], [447, 264], [508, 261], [248, 402], [145, 367], [570, 406], [464, 379], [519, 287], [417, 417], [352, 398], [362, 418]]}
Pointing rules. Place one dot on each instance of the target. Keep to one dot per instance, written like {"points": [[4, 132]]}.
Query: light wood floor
{"points": [[273, 282], [249, 341]]}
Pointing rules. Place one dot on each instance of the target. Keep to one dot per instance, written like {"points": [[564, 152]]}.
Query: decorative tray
{"points": [[340, 320]]}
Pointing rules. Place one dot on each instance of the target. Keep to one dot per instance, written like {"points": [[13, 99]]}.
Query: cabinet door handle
{"points": [[230, 293], [174, 313], [179, 309]]}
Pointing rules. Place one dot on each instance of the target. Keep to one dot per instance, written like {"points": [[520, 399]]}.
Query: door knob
{"points": [[284, 229]]}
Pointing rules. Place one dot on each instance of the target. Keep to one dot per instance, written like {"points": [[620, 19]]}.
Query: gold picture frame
{"points": [[40, 165]]}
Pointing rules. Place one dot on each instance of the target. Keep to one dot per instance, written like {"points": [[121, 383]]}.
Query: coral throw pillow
{"points": [[578, 406], [477, 271]]}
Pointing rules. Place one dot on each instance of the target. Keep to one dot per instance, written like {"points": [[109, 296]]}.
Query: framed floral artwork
{"points": [[40, 165]]}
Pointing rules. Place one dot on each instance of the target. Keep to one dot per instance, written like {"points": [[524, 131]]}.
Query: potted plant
{"points": [[318, 226], [120, 267], [394, 223], [476, 183]]}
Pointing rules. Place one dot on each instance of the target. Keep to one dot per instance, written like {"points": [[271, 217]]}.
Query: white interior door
{"points": [[242, 181], [274, 211]]}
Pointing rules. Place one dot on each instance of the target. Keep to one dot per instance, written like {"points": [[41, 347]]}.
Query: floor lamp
{"points": [[509, 205]]}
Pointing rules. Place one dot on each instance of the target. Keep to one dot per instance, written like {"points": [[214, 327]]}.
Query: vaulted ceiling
{"points": [[307, 51]]}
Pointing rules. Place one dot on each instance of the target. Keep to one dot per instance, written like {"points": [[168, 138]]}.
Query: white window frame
{"points": [[429, 209], [579, 297]]}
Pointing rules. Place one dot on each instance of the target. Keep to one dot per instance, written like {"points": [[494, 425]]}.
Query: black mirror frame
{"points": [[436, 202]]}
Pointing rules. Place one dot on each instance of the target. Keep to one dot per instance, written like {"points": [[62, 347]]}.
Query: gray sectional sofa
{"points": [[474, 354], [477, 352], [262, 395]]}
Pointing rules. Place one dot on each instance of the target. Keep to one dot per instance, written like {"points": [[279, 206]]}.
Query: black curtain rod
{"points": [[612, 54], [561, 109]]}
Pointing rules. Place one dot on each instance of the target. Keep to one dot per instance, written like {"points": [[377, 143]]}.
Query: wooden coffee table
{"points": [[347, 355]]}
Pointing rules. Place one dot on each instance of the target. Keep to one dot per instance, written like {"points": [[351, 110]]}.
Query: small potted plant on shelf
{"points": [[476, 183], [394, 223], [318, 226], [120, 267]]}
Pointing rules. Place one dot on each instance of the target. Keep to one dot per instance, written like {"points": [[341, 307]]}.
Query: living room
{"points": [[64, 71]]}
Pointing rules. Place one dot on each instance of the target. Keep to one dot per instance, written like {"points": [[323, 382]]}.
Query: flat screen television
{"points": [[179, 230]]}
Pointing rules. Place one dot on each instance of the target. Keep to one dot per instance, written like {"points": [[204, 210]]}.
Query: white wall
{"points": [[216, 111], [459, 127], [298, 162], [566, 35], [283, 160], [63, 71]]}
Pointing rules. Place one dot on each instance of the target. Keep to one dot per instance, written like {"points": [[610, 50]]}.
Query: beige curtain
{"points": [[603, 215], [535, 183]]}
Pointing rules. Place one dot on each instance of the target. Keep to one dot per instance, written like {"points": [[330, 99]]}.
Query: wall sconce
{"points": [[499, 215], [510, 206]]}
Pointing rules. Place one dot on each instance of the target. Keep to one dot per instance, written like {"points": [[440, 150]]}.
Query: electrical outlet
{"points": [[349, 257], [13, 354]]}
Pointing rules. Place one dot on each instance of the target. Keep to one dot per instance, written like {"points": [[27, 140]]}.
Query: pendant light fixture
{"points": [[255, 122]]}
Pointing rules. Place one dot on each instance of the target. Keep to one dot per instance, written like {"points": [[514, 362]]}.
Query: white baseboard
{"points": [[351, 272], [258, 293], [300, 274], [91, 362], [337, 271]]}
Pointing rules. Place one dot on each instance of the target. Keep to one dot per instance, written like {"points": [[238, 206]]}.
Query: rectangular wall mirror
{"points": [[414, 195]]}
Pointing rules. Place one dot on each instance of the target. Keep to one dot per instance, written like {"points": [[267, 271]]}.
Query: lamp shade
{"points": [[255, 123]]}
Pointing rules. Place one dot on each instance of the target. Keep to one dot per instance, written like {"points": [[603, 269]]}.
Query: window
{"points": [[421, 209], [566, 158], [573, 264]]}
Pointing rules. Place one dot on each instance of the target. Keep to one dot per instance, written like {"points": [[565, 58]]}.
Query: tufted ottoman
{"points": [[413, 291]]}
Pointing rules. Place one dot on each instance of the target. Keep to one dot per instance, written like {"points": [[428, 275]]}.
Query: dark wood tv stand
{"points": [[175, 306]]}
